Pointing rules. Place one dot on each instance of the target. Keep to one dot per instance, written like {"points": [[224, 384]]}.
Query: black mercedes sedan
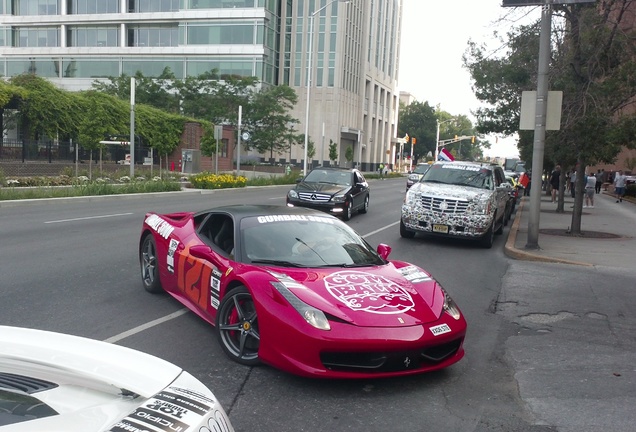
{"points": [[338, 191]]}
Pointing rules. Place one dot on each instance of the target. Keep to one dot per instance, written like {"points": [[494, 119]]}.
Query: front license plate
{"points": [[440, 228], [440, 329]]}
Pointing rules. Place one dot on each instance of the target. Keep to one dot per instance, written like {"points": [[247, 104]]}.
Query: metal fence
{"points": [[60, 151]]}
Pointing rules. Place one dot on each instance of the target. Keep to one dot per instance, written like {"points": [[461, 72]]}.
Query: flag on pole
{"points": [[445, 155]]}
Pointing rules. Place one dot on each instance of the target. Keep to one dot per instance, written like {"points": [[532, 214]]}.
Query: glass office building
{"points": [[353, 97]]}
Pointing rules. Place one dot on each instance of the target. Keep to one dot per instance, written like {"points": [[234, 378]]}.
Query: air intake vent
{"points": [[24, 384]]}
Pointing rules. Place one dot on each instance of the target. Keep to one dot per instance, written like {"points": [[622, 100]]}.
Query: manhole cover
{"points": [[584, 234]]}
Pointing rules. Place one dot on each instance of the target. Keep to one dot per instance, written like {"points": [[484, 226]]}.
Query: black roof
{"points": [[241, 211]]}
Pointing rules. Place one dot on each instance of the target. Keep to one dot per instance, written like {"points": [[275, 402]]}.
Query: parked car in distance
{"points": [[338, 191], [58, 382], [417, 174], [458, 199], [301, 291]]}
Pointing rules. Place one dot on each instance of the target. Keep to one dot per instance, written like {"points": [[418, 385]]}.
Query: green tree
{"points": [[349, 154], [418, 121], [333, 151], [268, 121], [594, 64]]}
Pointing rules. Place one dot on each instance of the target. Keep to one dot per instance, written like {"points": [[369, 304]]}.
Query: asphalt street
{"points": [[550, 344]]}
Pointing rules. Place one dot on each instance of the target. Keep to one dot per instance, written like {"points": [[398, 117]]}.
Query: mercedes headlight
{"points": [[293, 194], [339, 198]]}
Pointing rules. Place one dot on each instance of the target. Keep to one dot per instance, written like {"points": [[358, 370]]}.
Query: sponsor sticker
{"points": [[161, 227], [293, 218], [368, 292], [440, 329], [414, 274], [215, 286], [170, 258]]}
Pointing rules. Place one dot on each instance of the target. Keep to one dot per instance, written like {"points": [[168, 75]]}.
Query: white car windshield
{"points": [[461, 175]]}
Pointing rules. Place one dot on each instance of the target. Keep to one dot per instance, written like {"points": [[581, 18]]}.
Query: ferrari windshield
{"points": [[304, 241], [460, 175], [329, 176]]}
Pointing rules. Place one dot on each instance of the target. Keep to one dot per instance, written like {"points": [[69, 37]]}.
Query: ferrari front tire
{"points": [[237, 324], [149, 267]]}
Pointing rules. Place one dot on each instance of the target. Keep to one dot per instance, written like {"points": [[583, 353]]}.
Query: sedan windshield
{"points": [[304, 241], [329, 176], [461, 175]]}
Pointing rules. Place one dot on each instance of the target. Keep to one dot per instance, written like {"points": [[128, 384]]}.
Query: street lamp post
{"points": [[437, 137], [309, 60]]}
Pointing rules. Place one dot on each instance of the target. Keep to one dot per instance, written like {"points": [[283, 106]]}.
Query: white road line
{"points": [[180, 312], [146, 326], [381, 229], [87, 218]]}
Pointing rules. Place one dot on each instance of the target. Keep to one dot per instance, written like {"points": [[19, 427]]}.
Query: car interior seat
{"points": [[224, 238]]}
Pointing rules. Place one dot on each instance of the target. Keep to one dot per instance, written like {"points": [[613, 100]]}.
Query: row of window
{"points": [[149, 67], [154, 35], [75, 7]]}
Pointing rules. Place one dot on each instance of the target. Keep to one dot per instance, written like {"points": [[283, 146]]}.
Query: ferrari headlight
{"points": [[339, 198], [450, 307], [293, 194], [313, 316]]}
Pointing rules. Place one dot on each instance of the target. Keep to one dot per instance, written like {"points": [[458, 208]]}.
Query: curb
{"points": [[511, 251]]}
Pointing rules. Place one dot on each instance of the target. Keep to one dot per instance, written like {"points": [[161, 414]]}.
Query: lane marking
{"points": [[146, 326], [88, 218], [183, 311], [381, 229]]}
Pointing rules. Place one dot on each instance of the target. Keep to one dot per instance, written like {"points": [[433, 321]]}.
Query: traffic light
{"points": [[472, 139], [413, 140], [406, 137], [455, 136]]}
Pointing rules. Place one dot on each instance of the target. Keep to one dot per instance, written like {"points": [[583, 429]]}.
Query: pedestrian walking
{"points": [[590, 189], [573, 182], [554, 182], [599, 180], [619, 185], [381, 169]]}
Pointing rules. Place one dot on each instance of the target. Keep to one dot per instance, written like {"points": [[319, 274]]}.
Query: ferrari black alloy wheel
{"points": [[237, 324], [149, 268]]}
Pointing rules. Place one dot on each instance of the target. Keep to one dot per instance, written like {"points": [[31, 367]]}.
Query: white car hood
{"points": [[101, 387]]}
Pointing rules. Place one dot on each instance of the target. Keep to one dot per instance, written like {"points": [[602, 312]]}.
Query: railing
{"points": [[60, 151]]}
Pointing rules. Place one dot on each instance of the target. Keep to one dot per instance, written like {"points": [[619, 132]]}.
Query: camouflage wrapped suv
{"points": [[458, 199]]}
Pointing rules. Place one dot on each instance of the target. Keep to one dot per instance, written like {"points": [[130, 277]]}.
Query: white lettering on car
{"points": [[163, 228]]}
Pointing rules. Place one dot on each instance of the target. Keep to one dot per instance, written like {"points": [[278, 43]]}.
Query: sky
{"points": [[435, 35]]}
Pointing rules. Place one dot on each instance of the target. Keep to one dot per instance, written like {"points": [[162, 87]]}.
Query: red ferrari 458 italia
{"points": [[301, 291]]}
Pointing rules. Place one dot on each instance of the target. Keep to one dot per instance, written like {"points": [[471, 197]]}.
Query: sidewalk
{"points": [[609, 233]]}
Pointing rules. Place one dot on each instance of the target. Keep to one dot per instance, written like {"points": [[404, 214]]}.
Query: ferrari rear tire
{"points": [[237, 324], [149, 267]]}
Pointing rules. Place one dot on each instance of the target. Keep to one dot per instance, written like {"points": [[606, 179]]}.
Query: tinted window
{"points": [[421, 169], [329, 176], [307, 241], [461, 175]]}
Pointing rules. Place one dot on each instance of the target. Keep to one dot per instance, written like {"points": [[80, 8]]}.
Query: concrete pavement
{"points": [[608, 239]]}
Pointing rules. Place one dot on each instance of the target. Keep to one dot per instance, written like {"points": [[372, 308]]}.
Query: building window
{"points": [[79, 7], [153, 36], [92, 36], [36, 37], [44, 67], [220, 34], [36, 7], [218, 4], [144, 6], [153, 68], [224, 67], [90, 68]]}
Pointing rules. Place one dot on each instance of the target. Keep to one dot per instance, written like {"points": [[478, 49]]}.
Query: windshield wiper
{"points": [[281, 263], [346, 265]]}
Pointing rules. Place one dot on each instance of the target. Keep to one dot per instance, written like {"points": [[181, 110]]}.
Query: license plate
{"points": [[440, 228]]}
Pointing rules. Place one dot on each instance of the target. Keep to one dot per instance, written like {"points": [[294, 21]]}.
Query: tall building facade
{"points": [[353, 100]]}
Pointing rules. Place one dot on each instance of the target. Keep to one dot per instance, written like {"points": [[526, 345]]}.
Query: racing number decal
{"points": [[194, 277]]}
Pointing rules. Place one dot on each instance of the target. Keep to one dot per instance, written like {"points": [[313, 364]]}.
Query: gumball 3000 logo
{"points": [[368, 292]]}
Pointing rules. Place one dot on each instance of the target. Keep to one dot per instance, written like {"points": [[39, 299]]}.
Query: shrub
{"points": [[630, 190], [214, 181]]}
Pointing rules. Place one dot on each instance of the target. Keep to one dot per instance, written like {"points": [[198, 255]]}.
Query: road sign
{"points": [[245, 136]]}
